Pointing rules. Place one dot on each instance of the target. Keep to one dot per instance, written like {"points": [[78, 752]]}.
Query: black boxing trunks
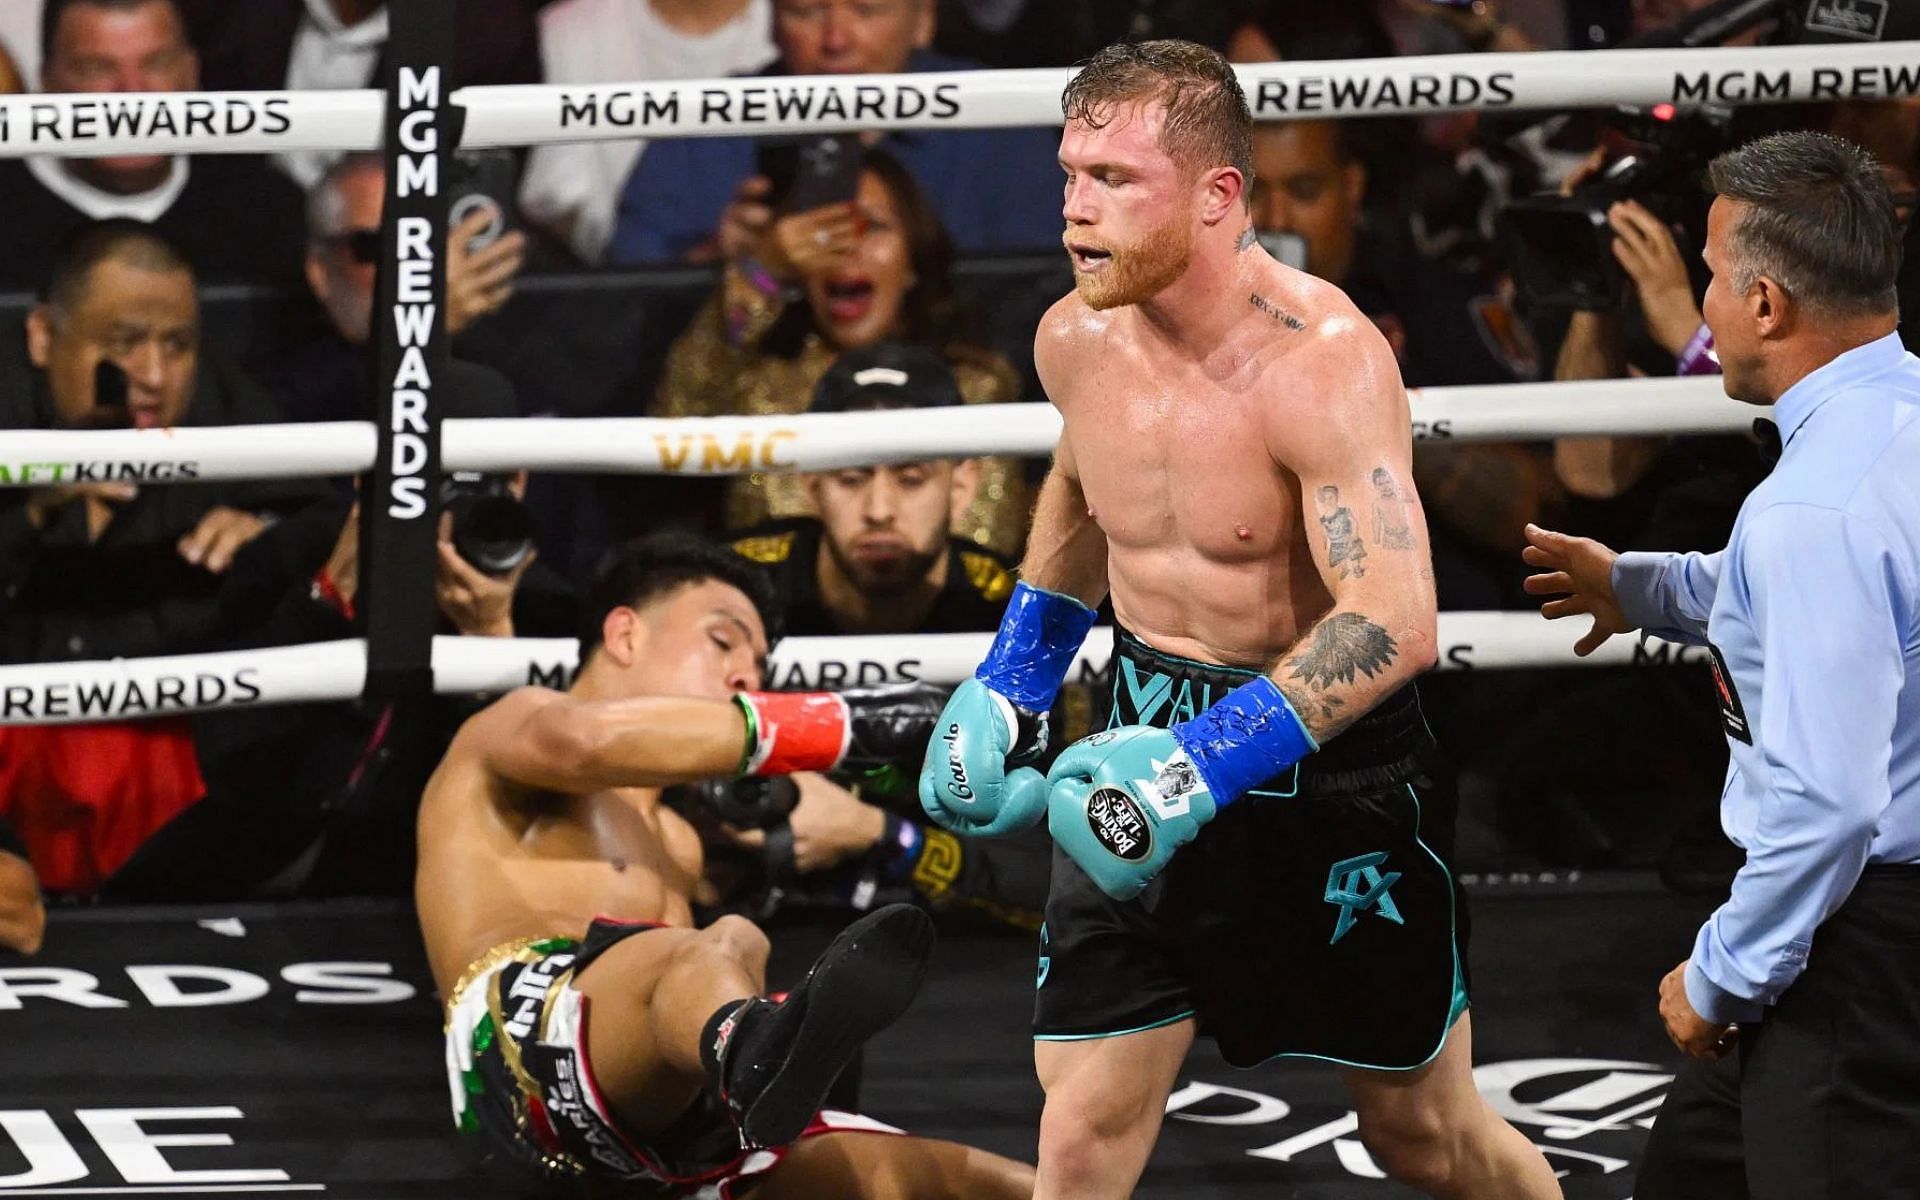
{"points": [[522, 1080], [1315, 917]]}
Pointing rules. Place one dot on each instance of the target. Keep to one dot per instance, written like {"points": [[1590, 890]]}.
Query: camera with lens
{"points": [[1561, 247], [492, 530]]}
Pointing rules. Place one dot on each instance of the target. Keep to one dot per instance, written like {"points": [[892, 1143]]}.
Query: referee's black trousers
{"points": [[1821, 1100]]}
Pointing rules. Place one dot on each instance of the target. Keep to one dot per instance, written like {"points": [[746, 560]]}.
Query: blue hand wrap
{"points": [[1250, 735], [1034, 649]]}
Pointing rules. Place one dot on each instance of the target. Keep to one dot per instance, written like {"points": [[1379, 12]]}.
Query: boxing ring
{"points": [[249, 1049]]}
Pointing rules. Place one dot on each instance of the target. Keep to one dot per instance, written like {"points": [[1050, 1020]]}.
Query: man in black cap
{"points": [[879, 558]]}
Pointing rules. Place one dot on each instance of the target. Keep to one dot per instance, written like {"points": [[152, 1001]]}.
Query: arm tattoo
{"points": [[1247, 238], [1268, 307], [1337, 648], [1345, 550], [1391, 528]]}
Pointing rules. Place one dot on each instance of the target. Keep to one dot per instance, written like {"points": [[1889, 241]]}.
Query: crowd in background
{"points": [[675, 279]]}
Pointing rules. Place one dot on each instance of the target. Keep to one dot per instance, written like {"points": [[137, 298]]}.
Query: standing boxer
{"points": [[1800, 1004], [1235, 472]]}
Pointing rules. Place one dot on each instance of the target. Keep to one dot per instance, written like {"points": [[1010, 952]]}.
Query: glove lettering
{"points": [[957, 785], [1118, 824]]}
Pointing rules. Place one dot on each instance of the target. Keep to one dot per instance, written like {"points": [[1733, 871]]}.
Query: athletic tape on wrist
{"points": [[1032, 653], [794, 731], [1250, 735]]}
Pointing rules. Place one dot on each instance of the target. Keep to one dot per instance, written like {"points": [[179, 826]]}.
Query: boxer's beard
{"points": [[1139, 272]]}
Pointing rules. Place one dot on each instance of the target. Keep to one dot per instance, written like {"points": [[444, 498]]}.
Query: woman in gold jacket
{"points": [[806, 286]]}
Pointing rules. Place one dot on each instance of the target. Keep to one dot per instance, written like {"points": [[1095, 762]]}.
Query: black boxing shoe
{"points": [[772, 1064]]}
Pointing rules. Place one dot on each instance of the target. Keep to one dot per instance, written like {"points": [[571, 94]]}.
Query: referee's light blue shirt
{"points": [[1813, 610]]}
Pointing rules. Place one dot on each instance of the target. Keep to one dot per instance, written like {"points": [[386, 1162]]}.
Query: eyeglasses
{"points": [[361, 245]]}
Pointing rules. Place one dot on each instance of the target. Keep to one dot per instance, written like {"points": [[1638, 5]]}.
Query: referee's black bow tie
{"points": [[1768, 435]]}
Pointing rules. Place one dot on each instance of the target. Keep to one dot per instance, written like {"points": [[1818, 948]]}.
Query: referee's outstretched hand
{"points": [[1580, 571]]}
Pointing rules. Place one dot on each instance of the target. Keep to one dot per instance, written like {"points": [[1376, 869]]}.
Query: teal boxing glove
{"points": [[973, 781], [969, 783], [1121, 802]]}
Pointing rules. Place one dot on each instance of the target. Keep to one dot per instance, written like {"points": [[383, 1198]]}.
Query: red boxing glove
{"points": [[857, 730], [794, 731]]}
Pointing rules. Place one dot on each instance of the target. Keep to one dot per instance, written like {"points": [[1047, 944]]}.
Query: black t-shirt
{"points": [[237, 220], [975, 595]]}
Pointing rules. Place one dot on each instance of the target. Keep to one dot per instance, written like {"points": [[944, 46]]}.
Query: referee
{"points": [[1799, 1008]]}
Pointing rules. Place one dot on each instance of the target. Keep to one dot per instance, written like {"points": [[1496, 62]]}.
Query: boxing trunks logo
{"points": [[1356, 885], [1733, 716], [1118, 824]]}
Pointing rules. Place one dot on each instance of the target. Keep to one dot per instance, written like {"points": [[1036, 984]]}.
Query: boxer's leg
{"points": [[1429, 1128], [680, 1008], [648, 998], [1106, 1098]]}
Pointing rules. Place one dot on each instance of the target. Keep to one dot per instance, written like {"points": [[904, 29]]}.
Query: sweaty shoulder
{"points": [[1344, 346], [503, 714], [1339, 365], [1068, 335]]}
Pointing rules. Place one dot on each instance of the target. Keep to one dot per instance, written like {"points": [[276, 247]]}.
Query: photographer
{"points": [[1639, 315], [1663, 298], [318, 799]]}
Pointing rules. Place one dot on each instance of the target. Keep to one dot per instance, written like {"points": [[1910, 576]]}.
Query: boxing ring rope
{"points": [[125, 689], [527, 114], [271, 122], [807, 442]]}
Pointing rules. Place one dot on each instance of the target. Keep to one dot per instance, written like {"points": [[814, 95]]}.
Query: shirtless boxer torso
{"points": [[555, 897], [1246, 850]]}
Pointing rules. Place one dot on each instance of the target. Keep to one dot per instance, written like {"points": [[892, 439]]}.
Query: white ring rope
{"points": [[808, 442], [123, 689], [528, 114]]}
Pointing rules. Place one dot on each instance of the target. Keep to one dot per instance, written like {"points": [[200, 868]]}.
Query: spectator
{"points": [[230, 215], [318, 799], [879, 558], [101, 570], [98, 570], [1445, 327], [326, 380], [573, 188], [23, 915], [698, 198], [883, 272], [299, 45]]}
